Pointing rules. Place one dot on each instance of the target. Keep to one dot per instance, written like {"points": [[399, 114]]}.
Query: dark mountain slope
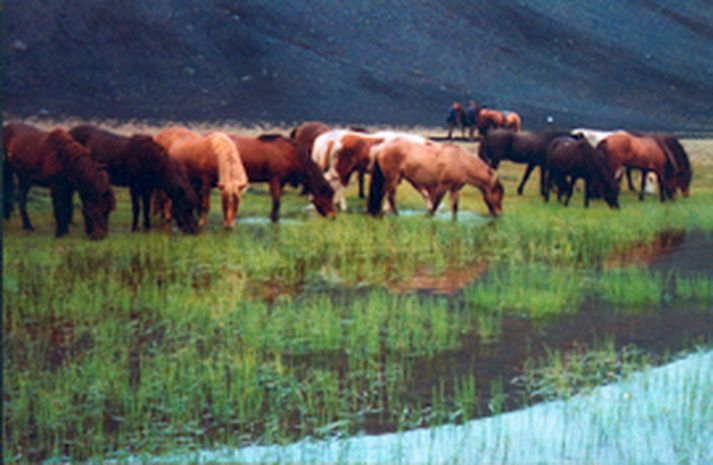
{"points": [[642, 64]]}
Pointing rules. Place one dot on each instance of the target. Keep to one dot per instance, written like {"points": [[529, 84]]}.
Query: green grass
{"points": [[145, 342]]}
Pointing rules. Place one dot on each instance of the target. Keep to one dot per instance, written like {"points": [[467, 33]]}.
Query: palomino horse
{"points": [[432, 170], [277, 160], [519, 147], [570, 158], [142, 165], [55, 160], [493, 119], [645, 153], [210, 160], [342, 152]]}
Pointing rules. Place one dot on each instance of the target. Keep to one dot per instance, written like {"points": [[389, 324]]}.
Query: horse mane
{"points": [[683, 164], [231, 172], [271, 137], [89, 177]]}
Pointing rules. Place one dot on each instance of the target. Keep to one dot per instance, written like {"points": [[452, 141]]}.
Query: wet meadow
{"points": [[155, 341]]}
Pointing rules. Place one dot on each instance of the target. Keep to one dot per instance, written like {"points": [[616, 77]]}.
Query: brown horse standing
{"points": [[143, 165], [305, 134], [493, 119], [277, 160], [432, 170], [644, 153], [55, 160], [210, 160]]}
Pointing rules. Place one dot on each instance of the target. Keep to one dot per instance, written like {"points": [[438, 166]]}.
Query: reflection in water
{"points": [[660, 416]]}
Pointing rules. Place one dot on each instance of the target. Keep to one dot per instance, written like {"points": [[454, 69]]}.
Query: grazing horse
{"points": [[210, 160], [519, 147], [341, 153], [278, 160], [305, 134], [570, 158], [645, 153], [55, 160], [679, 157], [432, 170], [493, 119], [142, 165]]}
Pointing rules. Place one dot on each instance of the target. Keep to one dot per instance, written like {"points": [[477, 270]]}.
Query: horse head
{"points": [[493, 197]]}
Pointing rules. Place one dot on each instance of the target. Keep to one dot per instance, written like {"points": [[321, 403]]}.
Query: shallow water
{"points": [[660, 416]]}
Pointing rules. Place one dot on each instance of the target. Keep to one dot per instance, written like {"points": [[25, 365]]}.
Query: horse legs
{"points": [[62, 206], [628, 179], [435, 201], [135, 207], [644, 172], [525, 177], [23, 189], [275, 192], [455, 197], [8, 190], [587, 192], [570, 190], [146, 200], [360, 178], [205, 203]]}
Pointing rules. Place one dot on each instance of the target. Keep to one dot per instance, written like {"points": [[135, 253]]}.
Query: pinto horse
{"points": [[646, 153], [432, 170], [342, 152], [142, 165], [520, 147], [570, 158], [210, 160], [278, 160], [55, 160]]}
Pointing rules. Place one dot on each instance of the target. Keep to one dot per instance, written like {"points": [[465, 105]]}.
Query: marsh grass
{"points": [[150, 341]]}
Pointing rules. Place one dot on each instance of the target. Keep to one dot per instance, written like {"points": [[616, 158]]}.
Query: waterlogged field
{"points": [[148, 343]]}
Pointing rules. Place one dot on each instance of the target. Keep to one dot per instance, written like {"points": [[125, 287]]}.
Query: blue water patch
{"points": [[661, 416]]}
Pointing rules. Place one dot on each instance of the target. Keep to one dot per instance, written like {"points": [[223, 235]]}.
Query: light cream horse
{"points": [[210, 160], [433, 170], [341, 152]]}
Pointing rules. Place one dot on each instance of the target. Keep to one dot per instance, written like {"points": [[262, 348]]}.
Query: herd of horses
{"points": [[174, 171]]}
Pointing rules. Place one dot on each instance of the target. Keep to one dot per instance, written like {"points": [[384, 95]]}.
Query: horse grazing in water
{"points": [[570, 158], [519, 147], [210, 160], [277, 160], [432, 170], [645, 153], [55, 160], [142, 165], [342, 152]]}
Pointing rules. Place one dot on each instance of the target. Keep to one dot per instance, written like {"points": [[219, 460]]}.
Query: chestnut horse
{"points": [[305, 134], [55, 160], [493, 119], [142, 165], [519, 147], [570, 158], [432, 170], [646, 153], [210, 160], [341, 152], [277, 160]]}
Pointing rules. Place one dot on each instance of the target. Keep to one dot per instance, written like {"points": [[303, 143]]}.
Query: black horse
{"points": [[142, 165], [518, 147], [570, 158]]}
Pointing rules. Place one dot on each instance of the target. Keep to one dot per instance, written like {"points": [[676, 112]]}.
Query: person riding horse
{"points": [[456, 117]]}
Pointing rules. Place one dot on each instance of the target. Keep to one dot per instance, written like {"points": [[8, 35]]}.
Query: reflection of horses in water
{"points": [[342, 152], [570, 158], [433, 170], [210, 160], [144, 166], [55, 160], [645, 153], [277, 161], [518, 147]]}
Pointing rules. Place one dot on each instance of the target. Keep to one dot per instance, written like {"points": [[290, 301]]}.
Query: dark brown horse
{"points": [[518, 147], [305, 134], [679, 157], [277, 160], [142, 165], [55, 160], [645, 153], [570, 158]]}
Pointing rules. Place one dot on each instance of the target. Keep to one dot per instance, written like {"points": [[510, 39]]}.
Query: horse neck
{"points": [[477, 173], [231, 172], [78, 165]]}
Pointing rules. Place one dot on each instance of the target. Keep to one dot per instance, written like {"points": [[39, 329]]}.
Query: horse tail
{"points": [[8, 184], [232, 178], [376, 189]]}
